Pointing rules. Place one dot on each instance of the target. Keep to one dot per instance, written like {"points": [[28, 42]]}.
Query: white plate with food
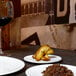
{"points": [[44, 54], [10, 65], [53, 59], [39, 69]]}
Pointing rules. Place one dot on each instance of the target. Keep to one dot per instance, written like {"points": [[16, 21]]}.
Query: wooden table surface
{"points": [[68, 57]]}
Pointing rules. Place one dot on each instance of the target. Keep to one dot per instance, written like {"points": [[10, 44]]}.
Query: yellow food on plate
{"points": [[42, 53]]}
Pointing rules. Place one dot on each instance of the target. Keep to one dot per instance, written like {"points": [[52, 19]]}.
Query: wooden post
{"points": [[5, 37], [5, 30], [17, 8]]}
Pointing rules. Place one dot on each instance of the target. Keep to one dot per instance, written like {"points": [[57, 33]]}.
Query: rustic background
{"points": [[36, 26]]}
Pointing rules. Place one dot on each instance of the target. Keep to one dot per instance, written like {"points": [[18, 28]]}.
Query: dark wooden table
{"points": [[68, 56]]}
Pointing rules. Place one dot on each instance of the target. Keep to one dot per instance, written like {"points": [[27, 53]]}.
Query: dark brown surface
{"points": [[5, 37], [68, 56], [5, 33], [17, 8]]}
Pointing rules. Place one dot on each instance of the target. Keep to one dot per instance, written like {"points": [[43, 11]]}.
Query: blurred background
{"points": [[38, 22]]}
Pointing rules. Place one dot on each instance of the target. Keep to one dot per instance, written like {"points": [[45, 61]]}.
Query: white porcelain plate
{"points": [[53, 59], [37, 70], [10, 65]]}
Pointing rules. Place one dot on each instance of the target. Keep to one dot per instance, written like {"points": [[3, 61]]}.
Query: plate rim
{"points": [[43, 62], [45, 65], [18, 69]]}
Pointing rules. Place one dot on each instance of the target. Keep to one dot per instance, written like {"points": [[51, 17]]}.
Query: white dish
{"points": [[53, 59], [37, 70], [10, 65]]}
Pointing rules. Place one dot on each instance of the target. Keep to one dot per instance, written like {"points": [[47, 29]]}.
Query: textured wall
{"points": [[73, 39], [54, 35], [35, 20]]}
